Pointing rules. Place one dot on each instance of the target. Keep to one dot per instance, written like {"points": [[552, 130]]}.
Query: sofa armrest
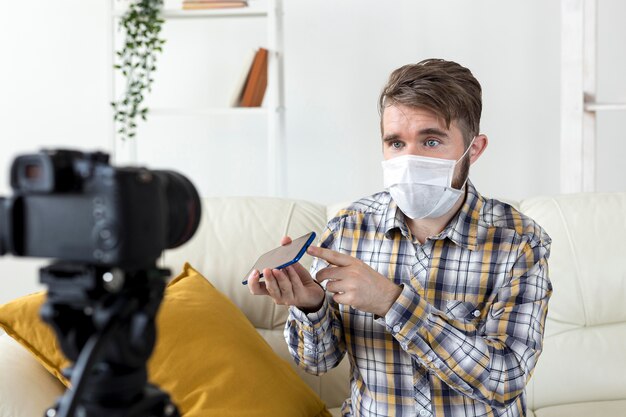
{"points": [[26, 388]]}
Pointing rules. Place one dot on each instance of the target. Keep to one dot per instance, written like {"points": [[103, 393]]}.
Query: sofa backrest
{"points": [[232, 234], [584, 356]]}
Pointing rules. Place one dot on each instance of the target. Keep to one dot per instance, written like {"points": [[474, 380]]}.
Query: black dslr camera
{"points": [[75, 206], [104, 228]]}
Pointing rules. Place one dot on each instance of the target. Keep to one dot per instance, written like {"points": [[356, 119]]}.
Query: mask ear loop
{"points": [[461, 158], [464, 183], [466, 151]]}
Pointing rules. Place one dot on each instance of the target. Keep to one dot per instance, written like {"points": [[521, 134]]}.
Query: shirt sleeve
{"points": [[492, 363], [316, 340]]}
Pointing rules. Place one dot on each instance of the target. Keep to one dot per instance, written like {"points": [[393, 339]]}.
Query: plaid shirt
{"points": [[463, 337]]}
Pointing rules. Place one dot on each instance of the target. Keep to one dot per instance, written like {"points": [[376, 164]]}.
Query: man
{"points": [[437, 294]]}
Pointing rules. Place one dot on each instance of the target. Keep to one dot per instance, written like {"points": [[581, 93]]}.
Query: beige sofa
{"points": [[582, 371]]}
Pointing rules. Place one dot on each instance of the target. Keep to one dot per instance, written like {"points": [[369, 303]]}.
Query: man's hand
{"points": [[355, 283], [291, 286]]}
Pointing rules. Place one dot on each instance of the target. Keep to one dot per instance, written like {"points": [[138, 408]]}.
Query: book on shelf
{"points": [[212, 4], [240, 85], [256, 81]]}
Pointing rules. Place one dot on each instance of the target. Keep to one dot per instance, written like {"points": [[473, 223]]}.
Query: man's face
{"points": [[419, 131]]}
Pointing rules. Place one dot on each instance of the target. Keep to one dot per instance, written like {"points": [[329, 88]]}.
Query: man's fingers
{"points": [[296, 281], [284, 283], [256, 287], [301, 271], [331, 256], [335, 286], [261, 290], [330, 272], [341, 298], [271, 285], [285, 240]]}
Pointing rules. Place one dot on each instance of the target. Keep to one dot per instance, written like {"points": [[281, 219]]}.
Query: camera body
{"points": [[105, 228], [76, 207]]}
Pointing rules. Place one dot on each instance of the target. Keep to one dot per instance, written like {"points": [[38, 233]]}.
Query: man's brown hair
{"points": [[444, 87]]}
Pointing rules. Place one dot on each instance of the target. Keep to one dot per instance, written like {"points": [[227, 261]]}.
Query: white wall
{"points": [[53, 92], [337, 68], [55, 89], [611, 139]]}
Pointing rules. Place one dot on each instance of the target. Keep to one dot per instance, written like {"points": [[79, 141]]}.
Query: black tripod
{"points": [[104, 321]]}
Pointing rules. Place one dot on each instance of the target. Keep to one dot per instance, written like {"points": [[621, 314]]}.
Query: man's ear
{"points": [[478, 147]]}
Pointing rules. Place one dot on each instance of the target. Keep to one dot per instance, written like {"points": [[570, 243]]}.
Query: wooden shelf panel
{"points": [[250, 11], [207, 111]]}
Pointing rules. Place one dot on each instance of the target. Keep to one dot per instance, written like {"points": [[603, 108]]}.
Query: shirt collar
{"points": [[394, 219], [462, 229]]}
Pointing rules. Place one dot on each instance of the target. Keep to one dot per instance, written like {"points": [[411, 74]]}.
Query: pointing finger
{"points": [[331, 256], [330, 272]]}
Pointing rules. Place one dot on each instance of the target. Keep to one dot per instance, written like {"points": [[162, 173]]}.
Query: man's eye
{"points": [[431, 143], [396, 145]]}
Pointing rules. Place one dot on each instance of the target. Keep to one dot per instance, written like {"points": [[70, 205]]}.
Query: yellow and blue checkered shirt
{"points": [[463, 337]]}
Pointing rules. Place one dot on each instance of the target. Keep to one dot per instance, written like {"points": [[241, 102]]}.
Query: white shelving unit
{"points": [[579, 108], [125, 152]]}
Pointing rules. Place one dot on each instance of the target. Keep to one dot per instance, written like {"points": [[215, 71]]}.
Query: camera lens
{"points": [[184, 209]]}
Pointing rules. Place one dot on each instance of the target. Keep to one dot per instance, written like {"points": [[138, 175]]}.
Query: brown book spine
{"points": [[256, 83]]}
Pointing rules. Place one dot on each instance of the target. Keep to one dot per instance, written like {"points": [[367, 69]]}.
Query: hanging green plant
{"points": [[137, 62]]}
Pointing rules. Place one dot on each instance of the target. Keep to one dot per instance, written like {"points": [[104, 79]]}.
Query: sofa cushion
{"points": [[595, 408], [26, 388], [584, 349], [208, 356]]}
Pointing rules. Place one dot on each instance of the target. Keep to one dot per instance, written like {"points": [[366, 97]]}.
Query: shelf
{"points": [[250, 11], [604, 106], [207, 111], [273, 112]]}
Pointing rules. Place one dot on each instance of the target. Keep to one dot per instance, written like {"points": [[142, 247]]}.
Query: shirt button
{"points": [[430, 358], [423, 412], [476, 313], [396, 328]]}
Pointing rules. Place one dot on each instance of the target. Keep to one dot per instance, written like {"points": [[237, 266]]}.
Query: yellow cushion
{"points": [[208, 356]]}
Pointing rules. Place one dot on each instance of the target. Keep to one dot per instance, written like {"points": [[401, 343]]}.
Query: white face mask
{"points": [[422, 186]]}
